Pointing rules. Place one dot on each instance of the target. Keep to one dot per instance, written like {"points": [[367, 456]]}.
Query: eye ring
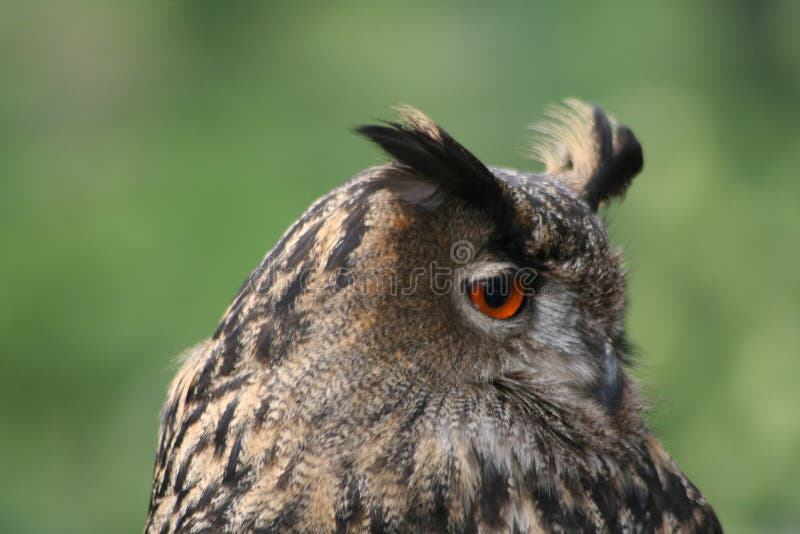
{"points": [[499, 298]]}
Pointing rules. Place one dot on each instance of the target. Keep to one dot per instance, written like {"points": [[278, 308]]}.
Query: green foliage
{"points": [[151, 152]]}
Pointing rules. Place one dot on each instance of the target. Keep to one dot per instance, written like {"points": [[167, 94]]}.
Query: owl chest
{"points": [[496, 481]]}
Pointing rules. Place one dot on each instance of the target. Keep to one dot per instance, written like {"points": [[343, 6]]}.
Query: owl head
{"points": [[438, 265], [437, 272], [532, 282]]}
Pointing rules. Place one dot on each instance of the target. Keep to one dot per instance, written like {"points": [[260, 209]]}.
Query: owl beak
{"points": [[610, 387]]}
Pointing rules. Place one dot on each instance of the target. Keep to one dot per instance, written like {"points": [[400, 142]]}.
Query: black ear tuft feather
{"points": [[427, 153], [627, 161], [616, 170], [588, 151]]}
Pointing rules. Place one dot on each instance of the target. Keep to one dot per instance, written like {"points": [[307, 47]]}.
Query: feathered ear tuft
{"points": [[588, 150], [434, 166]]}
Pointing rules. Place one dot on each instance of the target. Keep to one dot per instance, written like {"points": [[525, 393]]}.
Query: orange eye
{"points": [[499, 298]]}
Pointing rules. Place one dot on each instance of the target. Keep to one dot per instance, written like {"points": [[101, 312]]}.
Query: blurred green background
{"points": [[152, 152]]}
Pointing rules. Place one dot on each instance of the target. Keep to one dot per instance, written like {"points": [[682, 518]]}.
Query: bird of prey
{"points": [[434, 346]]}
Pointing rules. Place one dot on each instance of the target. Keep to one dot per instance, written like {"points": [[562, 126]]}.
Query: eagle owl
{"points": [[434, 346]]}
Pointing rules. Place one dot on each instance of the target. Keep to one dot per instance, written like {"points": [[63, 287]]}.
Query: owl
{"points": [[434, 346]]}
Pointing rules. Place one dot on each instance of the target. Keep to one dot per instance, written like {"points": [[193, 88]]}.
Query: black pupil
{"points": [[495, 292]]}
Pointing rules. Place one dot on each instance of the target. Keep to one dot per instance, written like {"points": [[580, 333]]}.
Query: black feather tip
{"points": [[438, 164]]}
